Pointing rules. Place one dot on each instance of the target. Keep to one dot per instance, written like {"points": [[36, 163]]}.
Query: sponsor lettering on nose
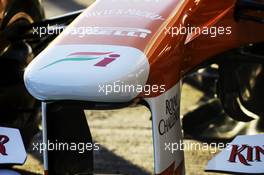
{"points": [[237, 152], [3, 140]]}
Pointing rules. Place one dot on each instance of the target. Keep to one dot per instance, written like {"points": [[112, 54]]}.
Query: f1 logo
{"points": [[107, 60], [108, 57]]}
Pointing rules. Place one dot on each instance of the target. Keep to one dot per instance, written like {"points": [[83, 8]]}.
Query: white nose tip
{"points": [[79, 72]]}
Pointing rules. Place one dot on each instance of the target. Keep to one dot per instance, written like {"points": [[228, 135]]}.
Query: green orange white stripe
{"points": [[79, 56]]}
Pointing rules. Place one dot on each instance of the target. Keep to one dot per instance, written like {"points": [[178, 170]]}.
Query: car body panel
{"points": [[12, 150], [144, 26], [87, 73]]}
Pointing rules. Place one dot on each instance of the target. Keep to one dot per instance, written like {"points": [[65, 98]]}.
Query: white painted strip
{"points": [[45, 136]]}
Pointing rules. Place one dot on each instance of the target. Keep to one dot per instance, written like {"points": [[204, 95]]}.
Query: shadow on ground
{"points": [[105, 161], [104, 164]]}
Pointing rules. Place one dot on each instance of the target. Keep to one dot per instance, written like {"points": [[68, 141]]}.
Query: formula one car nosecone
{"points": [[107, 56]]}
